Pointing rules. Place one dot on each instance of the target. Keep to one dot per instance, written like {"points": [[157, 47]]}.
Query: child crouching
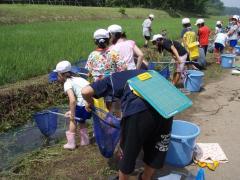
{"points": [[72, 87]]}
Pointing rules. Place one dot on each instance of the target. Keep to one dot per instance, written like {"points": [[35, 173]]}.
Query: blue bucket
{"points": [[193, 80], [227, 60], [182, 143], [237, 50]]}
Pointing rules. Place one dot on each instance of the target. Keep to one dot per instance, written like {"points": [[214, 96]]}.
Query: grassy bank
{"points": [[28, 50]]}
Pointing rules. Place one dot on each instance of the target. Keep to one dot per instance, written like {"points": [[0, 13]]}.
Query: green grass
{"points": [[28, 50]]}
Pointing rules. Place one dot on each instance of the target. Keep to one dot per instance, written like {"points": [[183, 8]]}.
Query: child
{"points": [[72, 87], [233, 34], [147, 29], [219, 44], [178, 52], [142, 127], [218, 28], [103, 61]]}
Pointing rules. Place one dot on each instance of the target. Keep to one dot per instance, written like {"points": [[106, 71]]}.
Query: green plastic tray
{"points": [[161, 94]]}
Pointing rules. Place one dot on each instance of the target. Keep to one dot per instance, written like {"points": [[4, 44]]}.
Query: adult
{"points": [[126, 48], [203, 34], [147, 29], [103, 61], [178, 52], [233, 33], [142, 127]]}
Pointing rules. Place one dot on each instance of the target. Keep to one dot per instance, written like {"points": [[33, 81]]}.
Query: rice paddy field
{"points": [[33, 38]]}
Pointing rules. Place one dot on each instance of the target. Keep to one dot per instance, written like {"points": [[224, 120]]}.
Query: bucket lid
{"points": [[195, 73]]}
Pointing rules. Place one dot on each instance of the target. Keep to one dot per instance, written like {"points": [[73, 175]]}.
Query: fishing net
{"points": [[106, 131], [164, 68]]}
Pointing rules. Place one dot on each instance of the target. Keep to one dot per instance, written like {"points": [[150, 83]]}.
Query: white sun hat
{"points": [[235, 17], [151, 16], [218, 23], [114, 28], [185, 21], [156, 36], [101, 33], [199, 21], [63, 66]]}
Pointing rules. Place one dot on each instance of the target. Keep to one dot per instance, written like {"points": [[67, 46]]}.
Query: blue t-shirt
{"points": [[116, 86]]}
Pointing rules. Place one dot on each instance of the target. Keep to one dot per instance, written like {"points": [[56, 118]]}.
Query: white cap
{"points": [[235, 17], [185, 20], [156, 36], [199, 21], [101, 33], [218, 23], [114, 28], [151, 16], [63, 66]]}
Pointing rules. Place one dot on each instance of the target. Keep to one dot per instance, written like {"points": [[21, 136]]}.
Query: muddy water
{"points": [[27, 138]]}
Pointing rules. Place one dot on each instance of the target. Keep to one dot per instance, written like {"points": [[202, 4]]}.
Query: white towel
{"points": [[209, 152]]}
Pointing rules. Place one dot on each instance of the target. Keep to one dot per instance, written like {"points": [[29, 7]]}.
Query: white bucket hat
{"points": [[63, 66], [185, 20], [218, 23], [156, 36], [114, 28], [151, 16], [101, 33], [199, 21], [235, 17]]}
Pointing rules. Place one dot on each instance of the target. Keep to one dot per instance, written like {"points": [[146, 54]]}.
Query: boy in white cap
{"points": [[126, 48], [218, 28], [203, 34], [147, 29], [103, 61], [72, 87]]}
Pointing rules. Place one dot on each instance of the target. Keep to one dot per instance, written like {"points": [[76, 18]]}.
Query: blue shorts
{"points": [[81, 112], [233, 42], [219, 47]]}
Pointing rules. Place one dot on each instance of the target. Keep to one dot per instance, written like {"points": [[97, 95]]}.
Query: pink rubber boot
{"points": [[84, 138], [70, 141]]}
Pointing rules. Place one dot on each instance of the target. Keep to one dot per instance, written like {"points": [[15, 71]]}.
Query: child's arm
{"points": [[72, 103], [87, 94]]}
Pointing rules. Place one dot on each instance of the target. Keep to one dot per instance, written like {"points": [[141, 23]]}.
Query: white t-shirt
{"points": [[221, 38], [146, 25], [76, 84], [125, 49], [234, 36]]}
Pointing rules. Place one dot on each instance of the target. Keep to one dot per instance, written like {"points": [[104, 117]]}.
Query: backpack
{"points": [[191, 44]]}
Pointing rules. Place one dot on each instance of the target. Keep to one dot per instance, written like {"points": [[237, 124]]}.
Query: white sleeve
{"points": [[67, 85]]}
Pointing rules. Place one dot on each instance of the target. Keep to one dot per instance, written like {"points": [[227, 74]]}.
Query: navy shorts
{"points": [[81, 113], [233, 42], [219, 47]]}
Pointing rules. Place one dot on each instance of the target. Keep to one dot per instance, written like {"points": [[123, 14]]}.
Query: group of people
{"points": [[115, 60]]}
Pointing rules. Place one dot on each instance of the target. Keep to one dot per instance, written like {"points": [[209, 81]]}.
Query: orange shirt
{"points": [[203, 35]]}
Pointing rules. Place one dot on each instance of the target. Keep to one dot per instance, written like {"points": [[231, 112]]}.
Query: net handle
{"points": [[61, 114]]}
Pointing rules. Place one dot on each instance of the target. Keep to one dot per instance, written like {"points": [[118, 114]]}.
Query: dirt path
{"points": [[217, 111]]}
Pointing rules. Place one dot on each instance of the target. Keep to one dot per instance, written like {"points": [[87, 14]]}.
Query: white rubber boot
{"points": [[70, 141]]}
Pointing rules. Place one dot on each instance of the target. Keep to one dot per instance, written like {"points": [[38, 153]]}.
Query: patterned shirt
{"points": [[103, 62]]}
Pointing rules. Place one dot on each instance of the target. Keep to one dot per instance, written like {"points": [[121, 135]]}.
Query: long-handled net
{"points": [[106, 130]]}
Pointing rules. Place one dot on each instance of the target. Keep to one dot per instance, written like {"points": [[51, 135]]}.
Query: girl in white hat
{"points": [[72, 87], [103, 61], [127, 49]]}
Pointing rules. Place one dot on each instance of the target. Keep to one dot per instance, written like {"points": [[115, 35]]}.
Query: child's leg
{"points": [[84, 138], [72, 126]]}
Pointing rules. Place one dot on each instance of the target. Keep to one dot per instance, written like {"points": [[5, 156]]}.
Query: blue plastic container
{"points": [[193, 80], [52, 77], [165, 72], [227, 60], [237, 50], [182, 143]]}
